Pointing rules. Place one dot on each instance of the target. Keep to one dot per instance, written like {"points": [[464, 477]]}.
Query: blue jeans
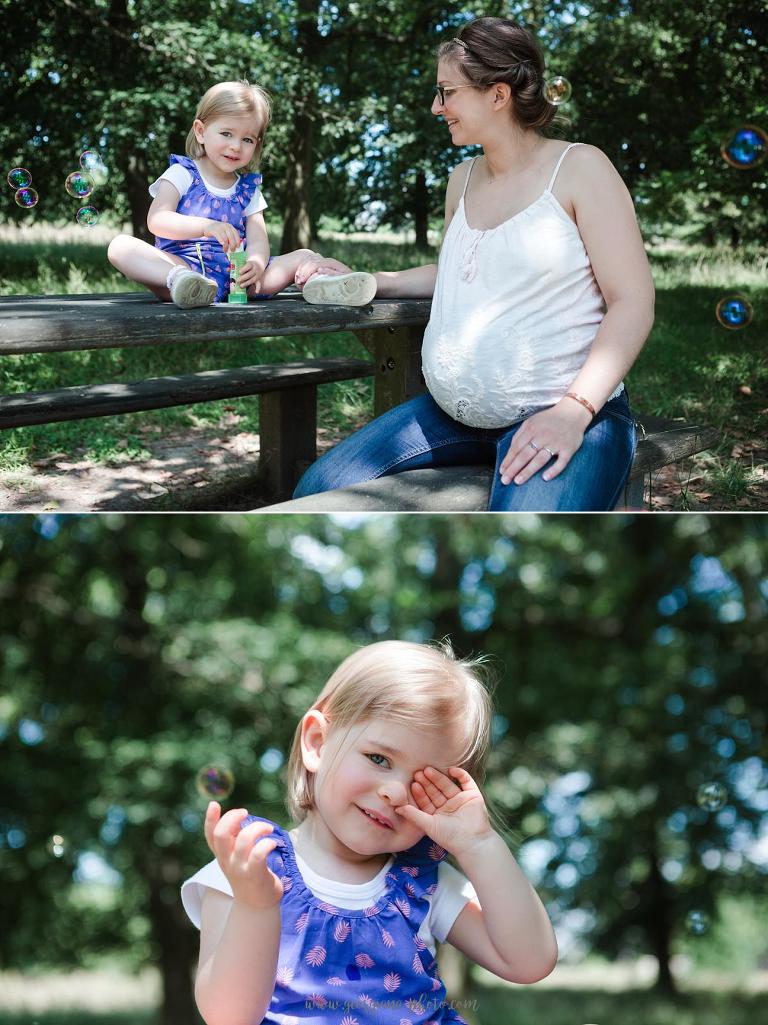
{"points": [[419, 435]]}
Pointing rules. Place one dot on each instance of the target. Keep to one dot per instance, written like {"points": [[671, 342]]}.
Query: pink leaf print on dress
{"points": [[410, 890], [287, 883], [367, 1000], [330, 908], [415, 1006], [301, 921], [316, 956], [391, 982], [403, 906], [341, 931], [364, 961], [335, 981], [419, 942], [411, 870], [349, 1020], [436, 851], [370, 912], [387, 939], [406, 1021], [284, 976], [319, 1000], [418, 967]]}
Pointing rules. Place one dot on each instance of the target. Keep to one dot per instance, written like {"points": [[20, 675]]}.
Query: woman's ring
{"points": [[534, 446], [553, 454]]}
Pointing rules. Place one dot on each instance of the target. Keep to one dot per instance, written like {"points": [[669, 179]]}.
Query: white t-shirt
{"points": [[181, 179], [452, 892]]}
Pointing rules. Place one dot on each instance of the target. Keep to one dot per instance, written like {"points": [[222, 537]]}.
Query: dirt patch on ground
{"points": [[193, 469], [207, 470]]}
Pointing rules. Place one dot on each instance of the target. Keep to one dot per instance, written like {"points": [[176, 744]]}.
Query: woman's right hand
{"points": [[226, 234], [242, 856]]}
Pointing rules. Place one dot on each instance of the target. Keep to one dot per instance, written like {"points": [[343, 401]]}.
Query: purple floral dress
{"points": [[199, 202], [339, 966]]}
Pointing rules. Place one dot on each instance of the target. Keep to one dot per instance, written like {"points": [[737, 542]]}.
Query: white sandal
{"points": [[355, 289]]}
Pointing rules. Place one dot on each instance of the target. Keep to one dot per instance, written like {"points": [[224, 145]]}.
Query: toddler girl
{"points": [[336, 920], [209, 203]]}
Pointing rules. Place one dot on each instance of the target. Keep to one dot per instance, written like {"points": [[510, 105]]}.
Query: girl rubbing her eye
{"points": [[336, 920], [541, 301]]}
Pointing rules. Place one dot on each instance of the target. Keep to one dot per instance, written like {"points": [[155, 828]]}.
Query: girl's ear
{"points": [[314, 732], [198, 128]]}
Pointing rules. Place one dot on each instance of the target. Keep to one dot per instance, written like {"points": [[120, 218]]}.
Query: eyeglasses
{"points": [[441, 91]]}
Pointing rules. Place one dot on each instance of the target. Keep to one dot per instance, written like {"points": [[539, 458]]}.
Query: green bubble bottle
{"points": [[237, 294]]}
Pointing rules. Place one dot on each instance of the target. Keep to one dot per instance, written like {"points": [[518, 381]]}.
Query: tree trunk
{"points": [[176, 943], [123, 61], [135, 170], [421, 211], [658, 924], [297, 227]]}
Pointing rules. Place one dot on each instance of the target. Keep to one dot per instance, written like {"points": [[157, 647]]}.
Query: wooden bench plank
{"points": [[466, 488], [65, 323], [79, 403]]}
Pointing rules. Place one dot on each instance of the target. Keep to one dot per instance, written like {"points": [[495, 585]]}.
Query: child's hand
{"points": [[452, 813], [226, 234], [251, 273], [318, 264], [243, 860]]}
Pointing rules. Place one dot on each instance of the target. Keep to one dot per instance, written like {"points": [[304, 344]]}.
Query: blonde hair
{"points": [[235, 99], [421, 685]]}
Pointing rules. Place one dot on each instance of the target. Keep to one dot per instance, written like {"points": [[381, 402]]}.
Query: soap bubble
{"points": [[57, 845], [697, 922], [214, 781], [745, 148], [79, 184], [89, 158], [88, 216], [19, 178], [734, 311], [557, 90], [26, 198], [92, 164], [711, 796]]}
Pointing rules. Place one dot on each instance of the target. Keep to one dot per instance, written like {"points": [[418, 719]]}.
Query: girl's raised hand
{"points": [[226, 234], [449, 810], [242, 856]]}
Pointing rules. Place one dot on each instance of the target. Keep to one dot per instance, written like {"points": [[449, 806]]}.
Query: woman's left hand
{"points": [[556, 433], [318, 264], [449, 810]]}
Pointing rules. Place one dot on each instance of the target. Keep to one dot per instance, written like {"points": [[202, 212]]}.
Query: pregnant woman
{"points": [[542, 300]]}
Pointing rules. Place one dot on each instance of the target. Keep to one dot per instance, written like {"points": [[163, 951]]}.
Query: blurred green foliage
{"points": [[629, 654]]}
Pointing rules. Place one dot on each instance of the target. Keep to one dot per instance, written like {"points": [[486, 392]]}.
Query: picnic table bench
{"points": [[391, 331]]}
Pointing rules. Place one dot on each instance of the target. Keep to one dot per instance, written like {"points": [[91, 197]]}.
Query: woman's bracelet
{"points": [[582, 401]]}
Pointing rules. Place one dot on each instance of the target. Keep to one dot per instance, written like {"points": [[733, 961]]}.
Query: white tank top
{"points": [[515, 311]]}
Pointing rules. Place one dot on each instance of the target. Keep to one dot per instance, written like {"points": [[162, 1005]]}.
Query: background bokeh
{"points": [[629, 655]]}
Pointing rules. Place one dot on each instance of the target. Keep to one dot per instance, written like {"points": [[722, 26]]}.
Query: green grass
{"points": [[532, 1006], [690, 367], [520, 1006]]}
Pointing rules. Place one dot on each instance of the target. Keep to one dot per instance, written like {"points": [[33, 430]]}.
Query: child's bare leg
{"points": [[281, 271], [143, 263]]}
